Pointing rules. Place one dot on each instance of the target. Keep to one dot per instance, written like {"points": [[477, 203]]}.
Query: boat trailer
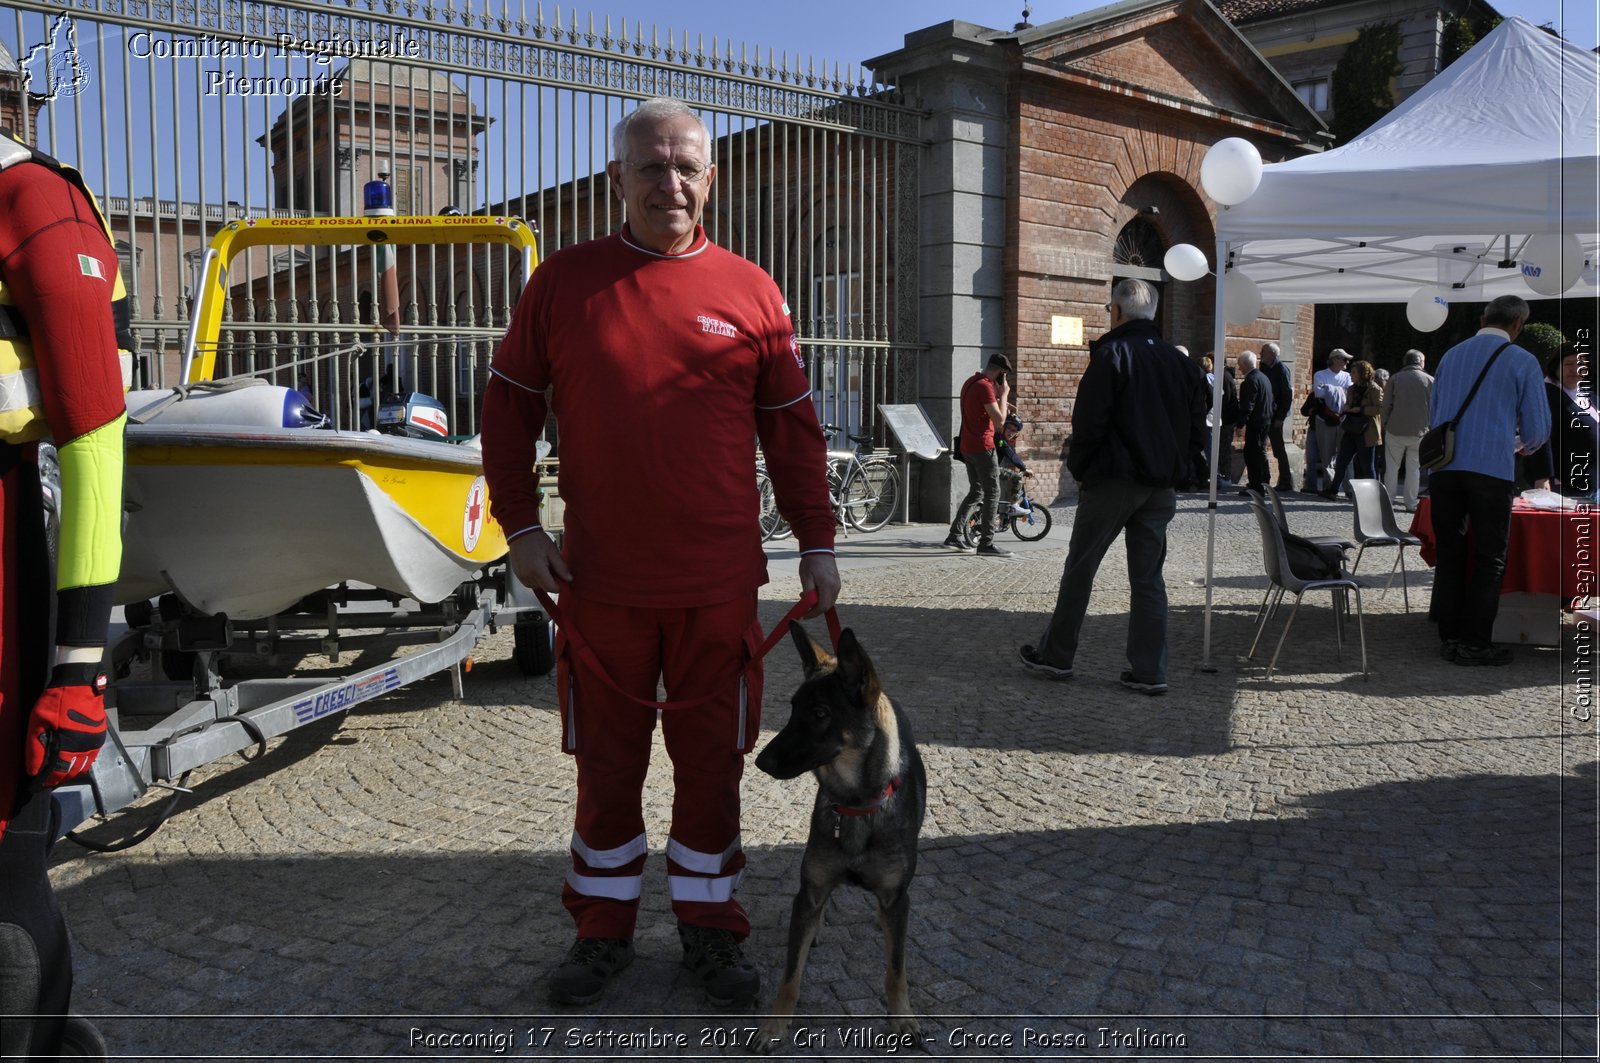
{"points": [[195, 708]]}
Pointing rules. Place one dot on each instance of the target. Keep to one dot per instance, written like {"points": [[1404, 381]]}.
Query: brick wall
{"points": [[1111, 125]]}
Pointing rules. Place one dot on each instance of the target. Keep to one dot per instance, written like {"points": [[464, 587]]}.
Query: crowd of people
{"points": [[1363, 421]]}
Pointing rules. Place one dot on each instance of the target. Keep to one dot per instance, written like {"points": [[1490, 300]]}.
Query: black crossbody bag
{"points": [[1438, 445]]}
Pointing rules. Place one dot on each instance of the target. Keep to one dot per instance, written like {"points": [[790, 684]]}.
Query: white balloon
{"points": [[1427, 308], [1552, 262], [1185, 262], [1241, 299], [1231, 171]]}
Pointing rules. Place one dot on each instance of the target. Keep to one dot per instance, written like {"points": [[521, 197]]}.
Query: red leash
{"points": [[581, 648]]}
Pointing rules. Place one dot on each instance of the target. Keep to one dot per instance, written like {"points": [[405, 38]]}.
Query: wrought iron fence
{"points": [[186, 115]]}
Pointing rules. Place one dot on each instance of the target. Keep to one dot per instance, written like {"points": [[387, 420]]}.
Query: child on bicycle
{"points": [[1012, 470]]}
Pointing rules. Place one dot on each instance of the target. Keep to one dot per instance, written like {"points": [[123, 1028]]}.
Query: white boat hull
{"points": [[248, 521]]}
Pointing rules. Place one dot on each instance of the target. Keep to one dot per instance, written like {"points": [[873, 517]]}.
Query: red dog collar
{"points": [[867, 810]]}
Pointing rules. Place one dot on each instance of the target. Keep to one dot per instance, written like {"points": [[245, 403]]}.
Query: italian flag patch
{"points": [[89, 266]]}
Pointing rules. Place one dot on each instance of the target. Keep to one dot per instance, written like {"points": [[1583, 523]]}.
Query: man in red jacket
{"points": [[59, 337], [663, 357]]}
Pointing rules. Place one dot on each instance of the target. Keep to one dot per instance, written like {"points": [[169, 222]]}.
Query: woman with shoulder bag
{"points": [[1360, 432]]}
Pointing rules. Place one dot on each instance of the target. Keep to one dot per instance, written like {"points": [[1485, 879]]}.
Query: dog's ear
{"points": [[855, 667], [813, 658]]}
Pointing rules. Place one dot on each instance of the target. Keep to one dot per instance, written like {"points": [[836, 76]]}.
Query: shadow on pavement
{"points": [[1439, 917]]}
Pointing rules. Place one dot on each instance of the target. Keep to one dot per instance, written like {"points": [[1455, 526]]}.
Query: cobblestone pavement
{"points": [[1317, 865]]}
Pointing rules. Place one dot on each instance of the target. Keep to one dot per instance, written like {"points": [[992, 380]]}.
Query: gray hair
{"points": [[654, 110], [1136, 297], [1246, 359], [1414, 359], [1506, 310], [1269, 348]]}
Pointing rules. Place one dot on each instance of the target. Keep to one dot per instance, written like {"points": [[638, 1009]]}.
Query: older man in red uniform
{"points": [[59, 377], [664, 357]]}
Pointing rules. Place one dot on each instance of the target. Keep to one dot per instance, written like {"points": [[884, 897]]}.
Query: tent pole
{"points": [[1219, 356]]}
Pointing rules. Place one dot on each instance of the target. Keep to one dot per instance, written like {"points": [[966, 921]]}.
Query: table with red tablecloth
{"points": [[1550, 552]]}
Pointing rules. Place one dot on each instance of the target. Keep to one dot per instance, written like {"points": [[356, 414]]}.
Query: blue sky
{"points": [[828, 31], [853, 30]]}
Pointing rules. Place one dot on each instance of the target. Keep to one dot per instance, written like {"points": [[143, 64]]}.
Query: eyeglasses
{"points": [[653, 172]]}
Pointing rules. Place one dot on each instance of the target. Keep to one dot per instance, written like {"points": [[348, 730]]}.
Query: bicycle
{"points": [[773, 526], [1031, 525], [864, 491]]}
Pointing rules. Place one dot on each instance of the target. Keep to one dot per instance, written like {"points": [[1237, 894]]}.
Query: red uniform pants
{"points": [[691, 652]]}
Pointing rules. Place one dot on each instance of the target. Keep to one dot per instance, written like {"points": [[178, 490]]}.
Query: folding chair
{"points": [[1278, 511], [1284, 581], [1375, 526]]}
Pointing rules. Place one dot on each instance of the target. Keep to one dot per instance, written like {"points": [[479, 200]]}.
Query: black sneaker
{"points": [[1039, 666], [1468, 654], [954, 542], [991, 550], [1153, 689], [1448, 648], [590, 965], [717, 962]]}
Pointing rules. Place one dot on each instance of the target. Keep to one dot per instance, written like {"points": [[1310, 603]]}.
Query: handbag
{"points": [[1437, 447], [1355, 424], [1312, 404]]}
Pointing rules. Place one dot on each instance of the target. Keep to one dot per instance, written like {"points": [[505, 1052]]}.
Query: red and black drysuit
{"points": [[662, 371], [61, 376]]}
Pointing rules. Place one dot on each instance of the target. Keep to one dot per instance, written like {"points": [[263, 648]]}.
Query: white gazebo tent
{"points": [[1444, 193]]}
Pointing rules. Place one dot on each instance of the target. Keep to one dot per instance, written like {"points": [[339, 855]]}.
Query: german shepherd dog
{"points": [[871, 794]]}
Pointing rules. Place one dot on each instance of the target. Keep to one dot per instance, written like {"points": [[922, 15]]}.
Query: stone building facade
{"points": [[1064, 157]]}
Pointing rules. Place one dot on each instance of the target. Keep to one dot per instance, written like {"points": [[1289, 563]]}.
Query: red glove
{"points": [[66, 727]]}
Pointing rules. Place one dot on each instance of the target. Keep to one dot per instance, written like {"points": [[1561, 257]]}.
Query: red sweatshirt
{"points": [[662, 370]]}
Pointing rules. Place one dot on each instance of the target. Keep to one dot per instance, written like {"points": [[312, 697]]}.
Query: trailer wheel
{"points": [[80, 1040], [533, 645], [178, 665]]}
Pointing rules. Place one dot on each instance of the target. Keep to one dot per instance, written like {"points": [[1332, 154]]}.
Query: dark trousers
{"points": [[35, 961], [35, 958], [1280, 454], [1255, 456], [1353, 446], [1466, 581], [1140, 514], [983, 473]]}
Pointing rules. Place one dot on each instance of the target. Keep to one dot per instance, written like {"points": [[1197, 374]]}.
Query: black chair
{"points": [[1282, 580]]}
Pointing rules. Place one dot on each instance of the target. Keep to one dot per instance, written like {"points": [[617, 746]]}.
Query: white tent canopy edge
{"points": [[1444, 191]]}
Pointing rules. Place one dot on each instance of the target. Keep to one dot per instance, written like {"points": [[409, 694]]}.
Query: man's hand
{"points": [[66, 727], [821, 573], [537, 562]]}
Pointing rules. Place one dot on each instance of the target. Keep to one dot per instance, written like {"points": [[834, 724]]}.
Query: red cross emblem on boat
{"points": [[472, 521]]}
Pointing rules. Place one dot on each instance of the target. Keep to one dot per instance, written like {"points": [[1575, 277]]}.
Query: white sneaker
{"points": [[1017, 511]]}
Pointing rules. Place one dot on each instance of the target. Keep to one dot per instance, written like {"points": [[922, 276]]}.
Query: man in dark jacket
{"points": [[1277, 375], [1255, 417], [1140, 410]]}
